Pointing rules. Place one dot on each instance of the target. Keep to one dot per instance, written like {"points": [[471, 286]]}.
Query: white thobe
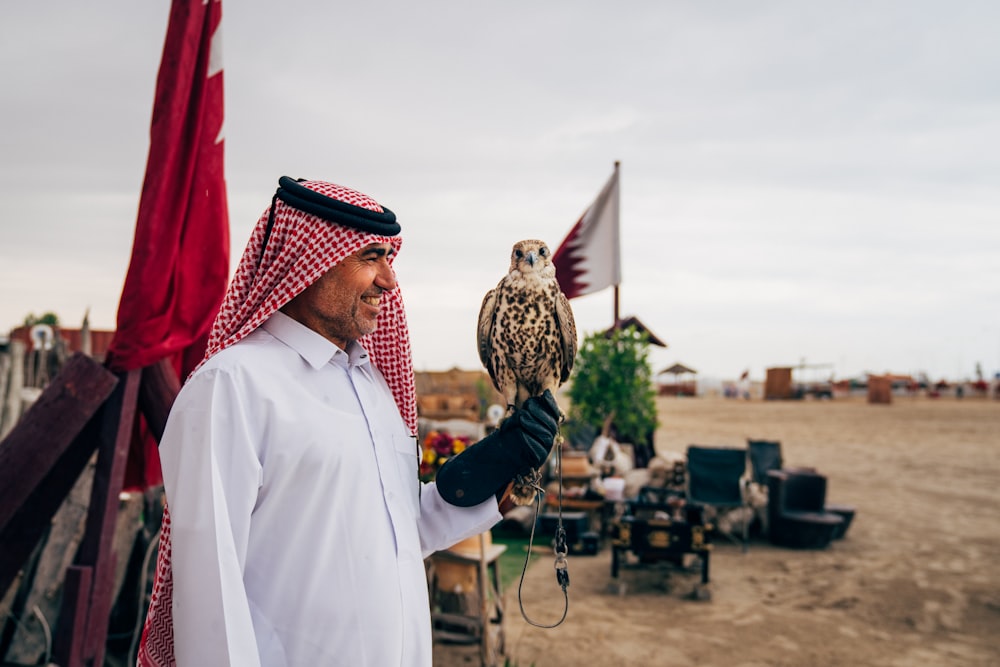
{"points": [[298, 525]]}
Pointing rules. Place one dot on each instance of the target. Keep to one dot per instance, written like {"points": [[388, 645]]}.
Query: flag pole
{"points": [[617, 319]]}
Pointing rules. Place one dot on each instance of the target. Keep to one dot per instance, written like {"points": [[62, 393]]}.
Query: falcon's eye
{"points": [[518, 254], [543, 251]]}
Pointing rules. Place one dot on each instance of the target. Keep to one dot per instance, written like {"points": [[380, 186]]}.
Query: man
{"points": [[296, 526]]}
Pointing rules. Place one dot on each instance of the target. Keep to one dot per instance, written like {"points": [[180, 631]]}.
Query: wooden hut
{"points": [[633, 321], [778, 383], [880, 389], [684, 382]]}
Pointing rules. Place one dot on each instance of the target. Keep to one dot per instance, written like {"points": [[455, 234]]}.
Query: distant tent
{"points": [[678, 387], [678, 369]]}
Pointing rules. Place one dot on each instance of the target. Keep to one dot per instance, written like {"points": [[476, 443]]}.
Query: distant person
{"points": [[745, 385], [606, 454], [296, 527]]}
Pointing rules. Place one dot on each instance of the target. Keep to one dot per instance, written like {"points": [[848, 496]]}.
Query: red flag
{"points": [[589, 258], [180, 256]]}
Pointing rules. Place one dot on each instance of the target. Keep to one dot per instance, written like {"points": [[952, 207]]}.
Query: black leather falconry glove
{"points": [[522, 443]]}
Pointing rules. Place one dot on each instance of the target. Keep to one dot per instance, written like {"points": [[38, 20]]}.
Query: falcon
{"points": [[527, 336]]}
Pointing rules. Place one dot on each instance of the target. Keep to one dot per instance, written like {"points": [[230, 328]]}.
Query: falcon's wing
{"points": [[484, 332], [567, 335]]}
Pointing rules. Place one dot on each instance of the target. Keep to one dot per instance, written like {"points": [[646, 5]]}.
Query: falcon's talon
{"points": [[526, 487]]}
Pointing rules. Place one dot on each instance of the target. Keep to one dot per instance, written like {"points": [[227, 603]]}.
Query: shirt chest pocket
{"points": [[406, 464]]}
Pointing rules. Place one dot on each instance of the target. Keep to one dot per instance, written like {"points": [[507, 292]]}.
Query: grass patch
{"points": [[512, 560]]}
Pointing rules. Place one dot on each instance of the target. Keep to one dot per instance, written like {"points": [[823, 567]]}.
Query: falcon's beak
{"points": [[531, 258]]}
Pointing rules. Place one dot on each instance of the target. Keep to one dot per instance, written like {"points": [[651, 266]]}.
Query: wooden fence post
{"points": [[117, 428], [42, 457]]}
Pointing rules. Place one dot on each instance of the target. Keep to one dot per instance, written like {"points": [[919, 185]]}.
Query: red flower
{"points": [[438, 447]]}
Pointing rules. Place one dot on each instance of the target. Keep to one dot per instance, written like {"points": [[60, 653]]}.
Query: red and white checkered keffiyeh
{"points": [[300, 249]]}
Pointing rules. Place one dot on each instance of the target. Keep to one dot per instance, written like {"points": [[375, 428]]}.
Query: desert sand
{"points": [[915, 582]]}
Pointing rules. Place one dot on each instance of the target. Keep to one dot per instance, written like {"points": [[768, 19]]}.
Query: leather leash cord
{"points": [[560, 548]]}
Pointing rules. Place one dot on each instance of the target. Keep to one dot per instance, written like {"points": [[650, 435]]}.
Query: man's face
{"points": [[343, 304]]}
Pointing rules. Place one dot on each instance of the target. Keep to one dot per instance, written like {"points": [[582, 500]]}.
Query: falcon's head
{"points": [[532, 256]]}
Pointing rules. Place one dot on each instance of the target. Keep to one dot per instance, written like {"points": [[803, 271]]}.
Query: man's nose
{"points": [[386, 278]]}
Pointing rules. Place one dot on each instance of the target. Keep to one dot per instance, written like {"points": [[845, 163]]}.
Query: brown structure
{"points": [[778, 383], [100, 340], [880, 389], [633, 321], [679, 387], [85, 409], [454, 394]]}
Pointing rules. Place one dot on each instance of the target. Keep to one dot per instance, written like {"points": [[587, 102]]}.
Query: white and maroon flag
{"points": [[589, 258], [180, 253]]}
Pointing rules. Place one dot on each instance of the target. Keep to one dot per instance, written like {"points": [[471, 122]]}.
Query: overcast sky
{"points": [[801, 181]]}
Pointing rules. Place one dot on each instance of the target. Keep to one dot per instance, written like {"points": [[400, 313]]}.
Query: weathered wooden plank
{"points": [[23, 531], [96, 550], [67, 650], [42, 458], [44, 433], [10, 409], [44, 592], [4, 380], [157, 392], [7, 604], [127, 528]]}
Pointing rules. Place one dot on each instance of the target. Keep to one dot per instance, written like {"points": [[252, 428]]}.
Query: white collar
{"points": [[311, 346]]}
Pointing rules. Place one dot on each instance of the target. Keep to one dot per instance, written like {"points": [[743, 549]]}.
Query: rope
{"points": [[46, 630], [560, 548]]}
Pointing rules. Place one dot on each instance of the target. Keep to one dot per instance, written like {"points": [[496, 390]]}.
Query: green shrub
{"points": [[612, 373]]}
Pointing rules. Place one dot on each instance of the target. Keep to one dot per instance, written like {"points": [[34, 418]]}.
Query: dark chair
{"points": [[797, 514], [659, 526], [765, 455], [715, 478], [580, 435], [846, 512]]}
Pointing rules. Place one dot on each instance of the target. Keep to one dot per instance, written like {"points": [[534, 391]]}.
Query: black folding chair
{"points": [[716, 479]]}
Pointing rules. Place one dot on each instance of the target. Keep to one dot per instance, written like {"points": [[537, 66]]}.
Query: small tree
{"points": [[613, 374], [49, 318]]}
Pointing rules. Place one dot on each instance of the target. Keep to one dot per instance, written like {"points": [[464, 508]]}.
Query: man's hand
{"points": [[522, 443], [535, 425]]}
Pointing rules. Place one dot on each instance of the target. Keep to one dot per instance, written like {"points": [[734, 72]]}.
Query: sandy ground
{"points": [[916, 582]]}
